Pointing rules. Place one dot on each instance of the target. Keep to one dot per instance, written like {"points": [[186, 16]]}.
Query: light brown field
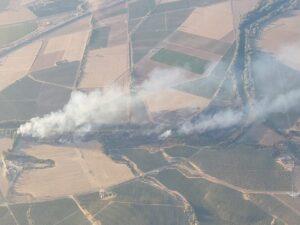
{"points": [[270, 138], [172, 100], [77, 170], [73, 45], [19, 15], [213, 21], [282, 39], [45, 61], [104, 66], [17, 64], [5, 144]]}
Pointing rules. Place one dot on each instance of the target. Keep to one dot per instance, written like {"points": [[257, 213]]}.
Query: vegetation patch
{"points": [[14, 32], [3, 4], [61, 211], [245, 166], [181, 151], [178, 59], [140, 8], [99, 38], [213, 203], [5, 217]]}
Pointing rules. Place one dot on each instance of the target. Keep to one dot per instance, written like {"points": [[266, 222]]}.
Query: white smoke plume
{"points": [[229, 118], [85, 110]]}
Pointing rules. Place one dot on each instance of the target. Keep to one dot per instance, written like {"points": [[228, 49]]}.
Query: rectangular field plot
{"points": [[178, 59], [99, 38], [140, 8], [10, 33], [61, 211], [213, 203], [246, 167]]}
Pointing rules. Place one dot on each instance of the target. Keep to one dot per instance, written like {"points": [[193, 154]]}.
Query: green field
{"points": [[139, 214], [215, 204], [63, 74], [178, 59], [5, 217], [61, 211], [181, 151], [275, 207], [14, 32], [135, 203], [145, 160], [245, 166], [99, 38], [140, 8]]}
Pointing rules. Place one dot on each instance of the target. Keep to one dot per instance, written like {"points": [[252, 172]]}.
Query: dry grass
{"points": [[282, 39], [270, 138], [172, 100], [214, 21], [45, 61], [17, 64], [19, 15], [77, 170], [104, 66], [5, 144], [73, 45]]}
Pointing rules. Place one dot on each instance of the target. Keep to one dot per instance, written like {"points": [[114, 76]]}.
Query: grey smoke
{"points": [[228, 118], [84, 110]]}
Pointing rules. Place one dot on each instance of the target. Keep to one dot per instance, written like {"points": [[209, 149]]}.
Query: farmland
{"points": [[10, 33], [211, 202], [245, 166], [77, 168]]}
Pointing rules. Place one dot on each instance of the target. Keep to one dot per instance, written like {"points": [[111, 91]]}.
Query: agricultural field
{"points": [[213, 203], [135, 202], [245, 166], [13, 32], [54, 7], [6, 217], [98, 74], [181, 151], [8, 68], [18, 15], [61, 211], [5, 145], [178, 59], [99, 38], [172, 100], [76, 170], [143, 159], [275, 207], [3, 5], [281, 39]]}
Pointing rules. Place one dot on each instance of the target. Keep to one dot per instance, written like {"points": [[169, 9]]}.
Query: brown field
{"points": [[104, 66], [5, 144], [270, 138], [293, 203], [19, 15], [77, 170], [73, 45], [213, 21], [172, 100], [17, 64], [46, 61], [282, 39]]}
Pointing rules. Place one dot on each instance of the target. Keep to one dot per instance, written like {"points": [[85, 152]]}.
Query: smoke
{"points": [[86, 110], [258, 111]]}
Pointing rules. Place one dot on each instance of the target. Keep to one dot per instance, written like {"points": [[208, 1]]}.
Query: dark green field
{"points": [[275, 207], [245, 166], [99, 38], [14, 32], [6, 217], [145, 160], [207, 86], [63, 74], [215, 204], [181, 60], [61, 211], [181, 151]]}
